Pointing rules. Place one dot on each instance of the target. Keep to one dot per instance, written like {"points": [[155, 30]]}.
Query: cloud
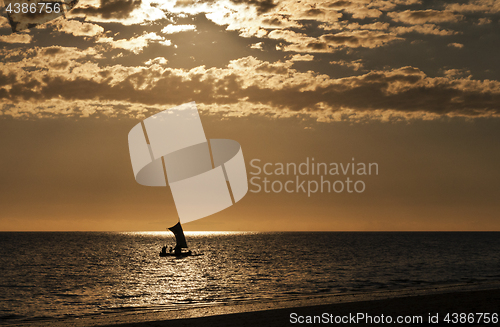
{"points": [[319, 32], [404, 90], [262, 6], [484, 21], [354, 64], [126, 12], [298, 11], [330, 42], [424, 16], [429, 29], [359, 38], [77, 28], [346, 24], [362, 13], [372, 26], [157, 61], [275, 88], [4, 22], [486, 6], [135, 44], [36, 63], [257, 45], [109, 9], [299, 57], [453, 73], [16, 38]]}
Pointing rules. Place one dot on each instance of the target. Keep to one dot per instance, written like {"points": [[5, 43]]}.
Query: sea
{"points": [[53, 275]]}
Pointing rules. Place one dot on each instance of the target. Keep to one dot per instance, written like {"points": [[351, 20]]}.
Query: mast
{"points": [[180, 238]]}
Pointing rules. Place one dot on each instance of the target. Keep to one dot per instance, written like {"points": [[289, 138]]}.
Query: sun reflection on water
{"points": [[190, 233]]}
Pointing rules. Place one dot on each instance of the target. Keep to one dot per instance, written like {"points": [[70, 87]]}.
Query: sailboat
{"points": [[205, 176]]}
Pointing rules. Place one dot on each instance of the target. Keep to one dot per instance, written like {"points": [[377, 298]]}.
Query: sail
{"points": [[39, 12], [180, 239], [205, 176]]}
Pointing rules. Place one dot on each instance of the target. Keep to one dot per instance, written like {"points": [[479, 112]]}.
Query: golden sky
{"points": [[411, 85]]}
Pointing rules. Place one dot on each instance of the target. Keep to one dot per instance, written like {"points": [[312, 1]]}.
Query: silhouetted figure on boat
{"points": [[163, 251]]}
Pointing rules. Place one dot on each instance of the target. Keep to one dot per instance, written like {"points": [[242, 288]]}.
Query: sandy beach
{"points": [[412, 304]]}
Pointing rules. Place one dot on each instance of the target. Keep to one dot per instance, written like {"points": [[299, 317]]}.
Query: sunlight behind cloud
{"points": [[135, 44], [171, 29]]}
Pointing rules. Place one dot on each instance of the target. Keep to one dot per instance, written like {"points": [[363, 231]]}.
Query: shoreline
{"points": [[422, 301]]}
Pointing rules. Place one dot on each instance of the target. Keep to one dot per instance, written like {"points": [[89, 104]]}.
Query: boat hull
{"points": [[181, 255]]}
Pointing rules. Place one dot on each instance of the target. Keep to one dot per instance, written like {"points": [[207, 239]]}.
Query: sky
{"points": [[413, 86]]}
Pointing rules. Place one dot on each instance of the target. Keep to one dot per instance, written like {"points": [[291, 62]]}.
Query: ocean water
{"points": [[75, 274]]}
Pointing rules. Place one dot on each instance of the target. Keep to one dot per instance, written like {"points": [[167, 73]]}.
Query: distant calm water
{"points": [[46, 275]]}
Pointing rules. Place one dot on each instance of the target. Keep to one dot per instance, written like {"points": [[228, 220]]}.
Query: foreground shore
{"points": [[413, 305], [410, 308]]}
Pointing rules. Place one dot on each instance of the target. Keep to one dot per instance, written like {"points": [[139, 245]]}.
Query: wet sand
{"points": [[412, 302], [419, 306]]}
